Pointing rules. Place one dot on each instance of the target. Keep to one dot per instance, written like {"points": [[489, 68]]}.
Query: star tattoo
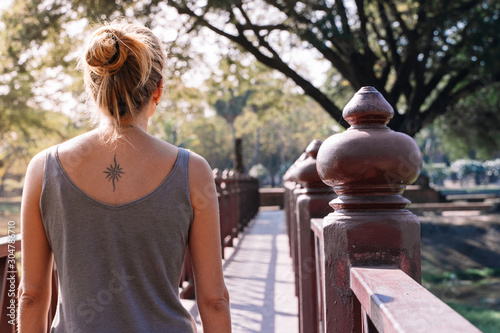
{"points": [[114, 172]]}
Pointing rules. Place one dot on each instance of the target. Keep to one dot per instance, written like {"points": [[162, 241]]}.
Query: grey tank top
{"points": [[119, 266]]}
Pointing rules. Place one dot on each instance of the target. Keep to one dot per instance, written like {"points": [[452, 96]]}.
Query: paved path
{"points": [[259, 276]]}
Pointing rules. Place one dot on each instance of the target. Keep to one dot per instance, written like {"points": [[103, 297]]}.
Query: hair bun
{"points": [[104, 55]]}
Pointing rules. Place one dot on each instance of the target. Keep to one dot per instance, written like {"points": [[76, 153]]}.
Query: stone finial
{"points": [[290, 174], [305, 171], [216, 173], [368, 107], [369, 165], [313, 148]]}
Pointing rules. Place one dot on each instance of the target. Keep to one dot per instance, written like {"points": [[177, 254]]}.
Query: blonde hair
{"points": [[122, 66]]}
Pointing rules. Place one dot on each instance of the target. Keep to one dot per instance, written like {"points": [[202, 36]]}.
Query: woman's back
{"points": [[118, 254], [117, 172]]}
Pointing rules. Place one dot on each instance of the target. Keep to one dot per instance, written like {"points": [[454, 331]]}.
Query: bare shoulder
{"points": [[201, 178], [162, 146], [199, 167], [37, 164], [34, 174], [85, 142]]}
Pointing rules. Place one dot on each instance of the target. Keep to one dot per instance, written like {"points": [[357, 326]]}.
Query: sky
{"points": [[314, 68], [5, 4]]}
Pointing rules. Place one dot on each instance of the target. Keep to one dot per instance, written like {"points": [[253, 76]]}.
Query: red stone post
{"points": [[222, 197], [235, 190], [312, 202], [289, 183], [368, 166], [290, 197], [231, 191]]}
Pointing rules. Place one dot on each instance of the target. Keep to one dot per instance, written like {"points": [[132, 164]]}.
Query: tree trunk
{"points": [[256, 147], [238, 157]]}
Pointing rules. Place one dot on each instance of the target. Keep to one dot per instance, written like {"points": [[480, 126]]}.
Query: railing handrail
{"points": [[317, 227], [397, 303]]}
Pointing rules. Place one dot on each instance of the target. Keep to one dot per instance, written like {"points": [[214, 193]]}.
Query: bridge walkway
{"points": [[258, 273]]}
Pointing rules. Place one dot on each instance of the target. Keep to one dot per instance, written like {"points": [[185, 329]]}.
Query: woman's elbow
{"points": [[217, 303], [27, 298], [32, 299]]}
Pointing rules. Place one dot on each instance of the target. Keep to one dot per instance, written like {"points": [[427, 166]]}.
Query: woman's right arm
{"points": [[212, 296], [35, 287]]}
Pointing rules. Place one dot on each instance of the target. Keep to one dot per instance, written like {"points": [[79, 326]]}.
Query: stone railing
{"points": [[357, 269], [238, 196]]}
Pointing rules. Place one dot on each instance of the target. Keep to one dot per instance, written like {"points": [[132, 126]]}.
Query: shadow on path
{"points": [[259, 277]]}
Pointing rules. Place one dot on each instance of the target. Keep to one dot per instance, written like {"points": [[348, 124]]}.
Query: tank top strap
{"points": [[183, 164], [51, 156], [51, 170]]}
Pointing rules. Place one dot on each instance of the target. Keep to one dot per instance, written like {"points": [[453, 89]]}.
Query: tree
{"points": [[472, 129], [231, 108], [423, 56], [235, 87]]}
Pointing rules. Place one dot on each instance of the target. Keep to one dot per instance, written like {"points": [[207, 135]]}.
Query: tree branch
{"points": [[389, 35], [343, 16], [275, 63], [399, 18], [446, 96], [269, 27]]}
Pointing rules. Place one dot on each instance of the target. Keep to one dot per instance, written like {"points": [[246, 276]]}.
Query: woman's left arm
{"points": [[35, 287], [212, 296]]}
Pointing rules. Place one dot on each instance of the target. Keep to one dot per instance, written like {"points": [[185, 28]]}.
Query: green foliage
{"points": [[259, 171], [41, 99], [230, 88], [484, 318], [17, 148], [208, 136], [463, 169], [487, 320], [492, 168], [274, 122], [470, 274], [9, 209], [424, 56], [471, 126], [37, 78], [283, 135], [437, 172]]}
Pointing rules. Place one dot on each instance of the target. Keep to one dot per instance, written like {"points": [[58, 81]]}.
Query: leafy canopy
{"points": [[423, 56]]}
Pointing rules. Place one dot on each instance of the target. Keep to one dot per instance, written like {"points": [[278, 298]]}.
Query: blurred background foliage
{"points": [[217, 91]]}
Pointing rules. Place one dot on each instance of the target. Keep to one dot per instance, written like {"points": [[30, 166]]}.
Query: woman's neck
{"points": [[139, 123]]}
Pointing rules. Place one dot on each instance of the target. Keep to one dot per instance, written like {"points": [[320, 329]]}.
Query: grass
{"points": [[471, 274], [487, 320]]}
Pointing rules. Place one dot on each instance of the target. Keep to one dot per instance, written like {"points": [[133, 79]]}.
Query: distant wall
{"points": [[422, 194], [272, 196], [415, 193]]}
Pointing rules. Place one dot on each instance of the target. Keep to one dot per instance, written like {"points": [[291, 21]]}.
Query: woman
{"points": [[115, 209]]}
